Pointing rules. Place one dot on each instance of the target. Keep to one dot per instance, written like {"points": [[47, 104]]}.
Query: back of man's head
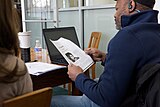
{"points": [[148, 3]]}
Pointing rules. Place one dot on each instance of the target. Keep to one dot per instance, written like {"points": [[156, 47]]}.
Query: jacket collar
{"points": [[141, 17]]}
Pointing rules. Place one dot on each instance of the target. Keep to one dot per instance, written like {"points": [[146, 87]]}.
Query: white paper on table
{"points": [[37, 68]]}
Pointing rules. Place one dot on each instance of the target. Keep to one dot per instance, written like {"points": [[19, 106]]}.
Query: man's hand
{"points": [[74, 71], [96, 54]]}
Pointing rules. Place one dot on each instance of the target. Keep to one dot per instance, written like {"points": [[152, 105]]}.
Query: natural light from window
{"points": [[41, 3]]}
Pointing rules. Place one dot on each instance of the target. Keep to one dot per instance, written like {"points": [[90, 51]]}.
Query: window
{"points": [[38, 8], [40, 3]]}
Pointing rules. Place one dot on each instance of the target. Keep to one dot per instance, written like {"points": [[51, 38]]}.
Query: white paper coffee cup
{"points": [[24, 39]]}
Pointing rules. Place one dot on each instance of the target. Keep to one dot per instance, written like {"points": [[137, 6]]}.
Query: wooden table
{"points": [[52, 79]]}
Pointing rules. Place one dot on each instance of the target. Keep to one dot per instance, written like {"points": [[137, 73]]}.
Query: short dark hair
{"points": [[148, 3]]}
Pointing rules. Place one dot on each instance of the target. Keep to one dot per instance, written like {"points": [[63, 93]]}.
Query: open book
{"points": [[73, 54]]}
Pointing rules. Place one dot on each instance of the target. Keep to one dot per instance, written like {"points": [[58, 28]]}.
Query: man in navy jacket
{"points": [[137, 43]]}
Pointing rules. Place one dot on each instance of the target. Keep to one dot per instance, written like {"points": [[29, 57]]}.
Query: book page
{"points": [[73, 54]]}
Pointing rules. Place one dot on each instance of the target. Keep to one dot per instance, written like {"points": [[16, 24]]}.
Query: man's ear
{"points": [[131, 5]]}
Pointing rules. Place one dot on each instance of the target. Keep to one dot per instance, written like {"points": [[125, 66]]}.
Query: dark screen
{"points": [[55, 34]]}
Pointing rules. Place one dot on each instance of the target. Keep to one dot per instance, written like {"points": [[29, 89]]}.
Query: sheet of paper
{"points": [[37, 68], [73, 54]]}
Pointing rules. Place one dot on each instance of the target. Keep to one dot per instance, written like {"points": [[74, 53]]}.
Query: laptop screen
{"points": [[55, 34]]}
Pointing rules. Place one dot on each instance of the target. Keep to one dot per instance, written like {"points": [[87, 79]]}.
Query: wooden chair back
{"points": [[37, 98], [94, 43], [94, 40]]}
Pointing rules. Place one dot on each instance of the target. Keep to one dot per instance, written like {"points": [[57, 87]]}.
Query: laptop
{"points": [[55, 34]]}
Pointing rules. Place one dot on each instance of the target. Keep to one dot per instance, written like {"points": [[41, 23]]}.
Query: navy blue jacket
{"points": [[136, 44]]}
